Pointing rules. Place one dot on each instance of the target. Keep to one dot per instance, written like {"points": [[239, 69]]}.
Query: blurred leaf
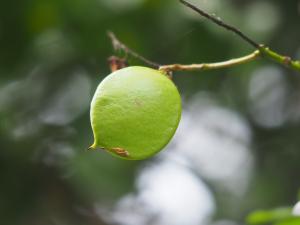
{"points": [[292, 221], [269, 216]]}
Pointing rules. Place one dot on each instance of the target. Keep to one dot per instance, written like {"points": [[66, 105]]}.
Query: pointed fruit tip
{"points": [[92, 147]]}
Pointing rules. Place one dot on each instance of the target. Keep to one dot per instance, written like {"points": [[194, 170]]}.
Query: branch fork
{"points": [[260, 50]]}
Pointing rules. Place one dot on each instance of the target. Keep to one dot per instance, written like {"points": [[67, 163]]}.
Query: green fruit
{"points": [[135, 112]]}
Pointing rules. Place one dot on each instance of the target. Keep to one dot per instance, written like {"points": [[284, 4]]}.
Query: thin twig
{"points": [[219, 22], [211, 66], [261, 51], [117, 44], [264, 50]]}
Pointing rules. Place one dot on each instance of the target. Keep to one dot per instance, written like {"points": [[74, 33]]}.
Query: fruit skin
{"points": [[135, 112]]}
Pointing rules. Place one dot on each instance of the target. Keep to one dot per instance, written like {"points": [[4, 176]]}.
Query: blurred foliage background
{"points": [[237, 149]]}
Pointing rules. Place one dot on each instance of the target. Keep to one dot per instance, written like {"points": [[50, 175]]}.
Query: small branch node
{"points": [[116, 63], [287, 60]]}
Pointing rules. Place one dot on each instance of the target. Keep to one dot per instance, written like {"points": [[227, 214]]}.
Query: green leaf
{"points": [[291, 221], [269, 216]]}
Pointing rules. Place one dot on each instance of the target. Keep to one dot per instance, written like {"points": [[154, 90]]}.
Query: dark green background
{"points": [[53, 54]]}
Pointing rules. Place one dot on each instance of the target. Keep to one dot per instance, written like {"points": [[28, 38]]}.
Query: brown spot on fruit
{"points": [[138, 103], [120, 151]]}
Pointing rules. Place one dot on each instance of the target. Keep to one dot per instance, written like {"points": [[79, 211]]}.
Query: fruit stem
{"points": [[211, 66]]}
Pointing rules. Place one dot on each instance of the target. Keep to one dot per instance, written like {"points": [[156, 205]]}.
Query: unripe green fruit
{"points": [[135, 112]]}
